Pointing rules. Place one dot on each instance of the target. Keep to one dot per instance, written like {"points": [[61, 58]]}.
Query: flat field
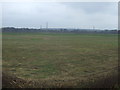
{"points": [[62, 55]]}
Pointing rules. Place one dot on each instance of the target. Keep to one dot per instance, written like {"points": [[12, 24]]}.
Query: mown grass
{"points": [[48, 55]]}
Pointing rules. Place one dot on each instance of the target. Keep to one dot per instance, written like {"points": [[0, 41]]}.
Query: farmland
{"points": [[60, 55]]}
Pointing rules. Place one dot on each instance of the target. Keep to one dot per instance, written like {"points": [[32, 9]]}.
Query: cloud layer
{"points": [[62, 15]]}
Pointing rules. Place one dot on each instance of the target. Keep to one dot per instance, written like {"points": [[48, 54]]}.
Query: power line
{"points": [[93, 27], [40, 26], [47, 25]]}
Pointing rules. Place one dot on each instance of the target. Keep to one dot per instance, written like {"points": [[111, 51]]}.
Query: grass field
{"points": [[47, 55]]}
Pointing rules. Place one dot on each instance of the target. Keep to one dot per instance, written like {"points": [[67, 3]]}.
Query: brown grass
{"points": [[109, 80]]}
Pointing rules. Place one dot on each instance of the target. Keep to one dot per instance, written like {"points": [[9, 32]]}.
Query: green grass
{"points": [[46, 55]]}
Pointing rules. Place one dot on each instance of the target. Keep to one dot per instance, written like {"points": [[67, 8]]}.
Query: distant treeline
{"points": [[59, 30]]}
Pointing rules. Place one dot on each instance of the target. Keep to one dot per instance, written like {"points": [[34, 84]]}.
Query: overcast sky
{"points": [[101, 15]]}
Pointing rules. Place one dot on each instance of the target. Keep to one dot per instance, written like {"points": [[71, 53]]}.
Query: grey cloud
{"points": [[69, 15]]}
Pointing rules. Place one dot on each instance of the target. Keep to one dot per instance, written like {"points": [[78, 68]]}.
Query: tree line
{"points": [[59, 30]]}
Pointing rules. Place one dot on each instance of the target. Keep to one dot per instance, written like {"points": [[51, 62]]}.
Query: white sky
{"points": [[102, 15]]}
